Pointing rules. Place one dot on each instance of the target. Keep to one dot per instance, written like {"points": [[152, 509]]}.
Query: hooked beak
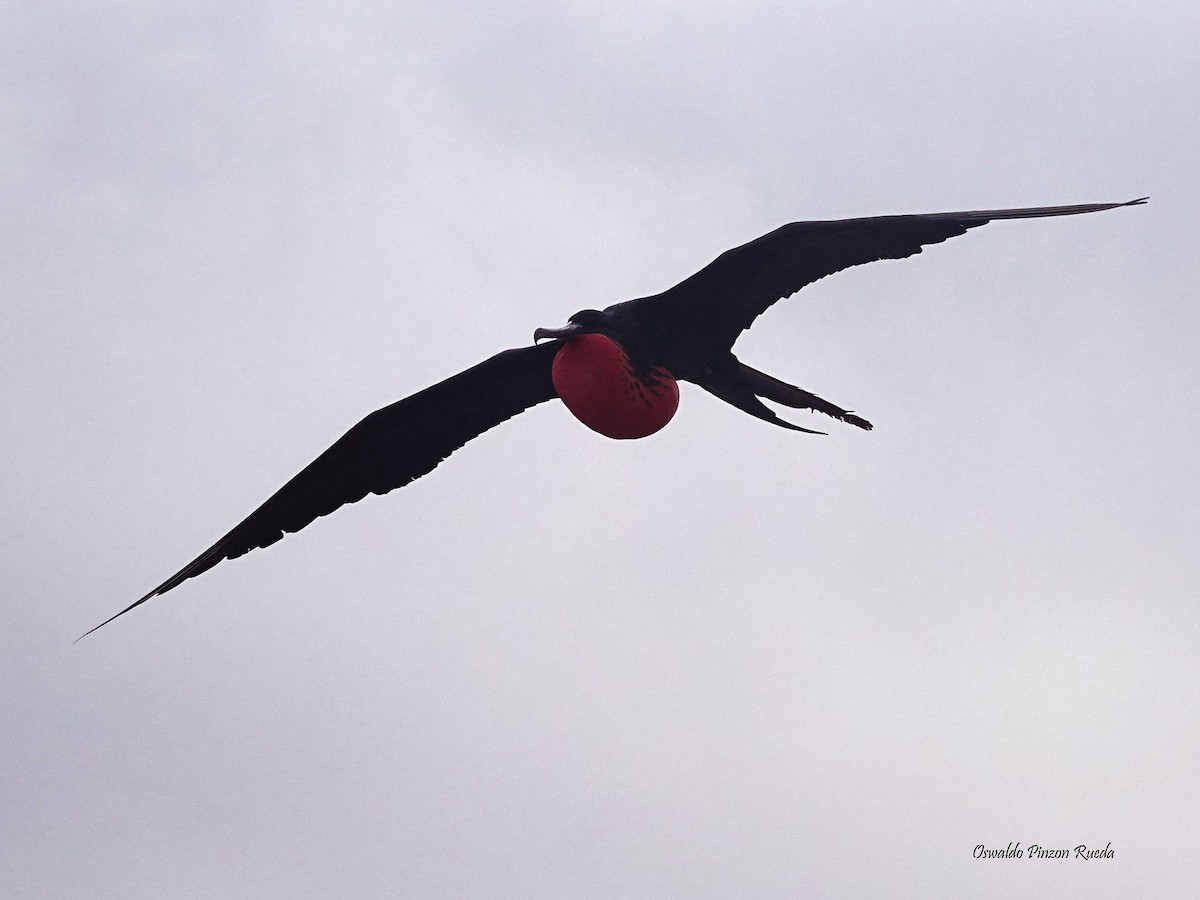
{"points": [[569, 330]]}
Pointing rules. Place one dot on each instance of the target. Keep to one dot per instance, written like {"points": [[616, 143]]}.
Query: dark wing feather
{"points": [[388, 449], [727, 295]]}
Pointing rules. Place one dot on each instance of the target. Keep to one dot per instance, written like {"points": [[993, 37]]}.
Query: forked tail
{"points": [[741, 386]]}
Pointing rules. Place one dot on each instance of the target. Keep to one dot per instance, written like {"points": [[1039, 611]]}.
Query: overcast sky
{"points": [[725, 661]]}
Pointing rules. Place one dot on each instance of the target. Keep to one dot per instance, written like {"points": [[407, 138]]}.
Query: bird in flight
{"points": [[615, 369]]}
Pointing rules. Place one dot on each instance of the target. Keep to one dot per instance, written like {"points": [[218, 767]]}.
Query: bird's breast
{"points": [[600, 386]]}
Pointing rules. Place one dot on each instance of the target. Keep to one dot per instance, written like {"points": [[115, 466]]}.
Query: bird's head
{"points": [[586, 321]]}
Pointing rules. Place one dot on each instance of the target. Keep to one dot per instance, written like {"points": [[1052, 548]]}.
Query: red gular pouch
{"points": [[598, 383]]}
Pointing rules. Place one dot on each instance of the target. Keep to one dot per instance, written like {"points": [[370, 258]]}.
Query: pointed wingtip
{"points": [[116, 616]]}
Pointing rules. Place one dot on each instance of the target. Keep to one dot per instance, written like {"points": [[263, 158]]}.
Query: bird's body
{"points": [[616, 369]]}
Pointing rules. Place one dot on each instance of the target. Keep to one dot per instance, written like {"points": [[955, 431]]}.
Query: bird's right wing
{"points": [[388, 449], [727, 295]]}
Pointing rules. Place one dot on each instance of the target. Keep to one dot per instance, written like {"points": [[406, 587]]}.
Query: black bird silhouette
{"points": [[614, 369]]}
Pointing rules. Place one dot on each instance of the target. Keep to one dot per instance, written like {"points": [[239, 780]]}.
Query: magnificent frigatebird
{"points": [[615, 369]]}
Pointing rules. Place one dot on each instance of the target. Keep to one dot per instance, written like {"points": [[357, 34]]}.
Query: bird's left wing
{"points": [[730, 292], [388, 449]]}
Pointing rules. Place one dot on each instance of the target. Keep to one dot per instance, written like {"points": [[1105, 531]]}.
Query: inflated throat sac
{"points": [[599, 385]]}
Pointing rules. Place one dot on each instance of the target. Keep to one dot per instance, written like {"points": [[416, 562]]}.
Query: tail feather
{"points": [[797, 398], [741, 386], [744, 399]]}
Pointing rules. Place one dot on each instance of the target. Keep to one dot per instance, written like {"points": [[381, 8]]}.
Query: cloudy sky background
{"points": [[725, 661]]}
